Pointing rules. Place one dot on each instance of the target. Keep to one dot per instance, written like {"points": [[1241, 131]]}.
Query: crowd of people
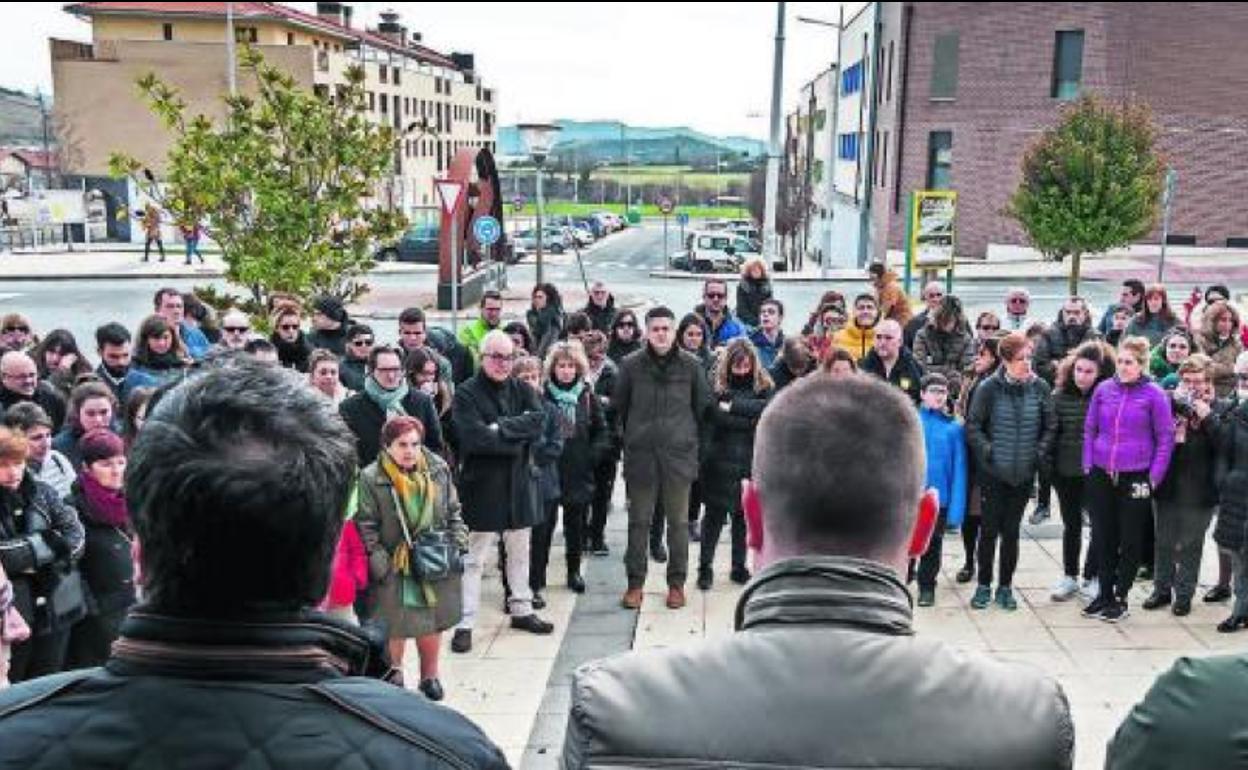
{"points": [[484, 442]]}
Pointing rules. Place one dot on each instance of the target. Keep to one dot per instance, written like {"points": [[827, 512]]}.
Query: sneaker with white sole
{"points": [[1065, 589], [1089, 590]]}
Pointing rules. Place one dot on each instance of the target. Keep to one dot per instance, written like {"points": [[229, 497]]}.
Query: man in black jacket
{"points": [[834, 536], [19, 381], [601, 307], [237, 486], [386, 393], [1073, 328], [497, 422], [892, 363]]}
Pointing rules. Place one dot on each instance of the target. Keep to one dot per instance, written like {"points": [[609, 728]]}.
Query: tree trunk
{"points": [[1076, 262]]}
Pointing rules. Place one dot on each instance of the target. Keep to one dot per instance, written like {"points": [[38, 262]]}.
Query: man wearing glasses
{"points": [[933, 293], [1017, 306], [498, 421], [385, 392], [491, 318], [354, 367], [19, 381], [235, 330], [714, 310]]}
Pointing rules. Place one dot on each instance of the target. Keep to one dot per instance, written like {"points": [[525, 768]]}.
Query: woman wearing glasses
{"points": [[625, 338], [293, 347]]}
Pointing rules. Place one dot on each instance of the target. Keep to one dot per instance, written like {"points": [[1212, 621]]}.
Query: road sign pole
{"points": [[454, 277], [667, 254]]}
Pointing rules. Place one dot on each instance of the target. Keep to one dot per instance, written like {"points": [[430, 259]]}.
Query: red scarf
{"points": [[106, 506]]}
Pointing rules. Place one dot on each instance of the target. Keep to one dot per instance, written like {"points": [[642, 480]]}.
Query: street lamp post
{"points": [[830, 180], [773, 147], [538, 138]]}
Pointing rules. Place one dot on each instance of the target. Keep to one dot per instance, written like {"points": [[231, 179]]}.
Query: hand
{"points": [[57, 543], [1202, 409]]}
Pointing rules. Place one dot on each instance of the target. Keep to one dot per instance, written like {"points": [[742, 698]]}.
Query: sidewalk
{"points": [[114, 264]]}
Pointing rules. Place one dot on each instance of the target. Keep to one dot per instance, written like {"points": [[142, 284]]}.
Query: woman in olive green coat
{"points": [[410, 481]]}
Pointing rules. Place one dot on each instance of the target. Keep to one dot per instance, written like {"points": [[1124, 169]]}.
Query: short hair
{"points": [[259, 346], [1138, 347], [14, 447], [15, 319], [777, 304], [876, 269], [933, 380], [594, 342], [864, 297], [26, 416], [1135, 284], [113, 334], [659, 311], [1219, 288], [360, 329], [578, 323], [400, 425], [411, 315], [383, 350], [489, 294], [526, 365], [495, 337], [1198, 363], [83, 393], [521, 330], [709, 282], [321, 356], [817, 459], [1018, 291], [159, 298], [240, 449], [1011, 345]]}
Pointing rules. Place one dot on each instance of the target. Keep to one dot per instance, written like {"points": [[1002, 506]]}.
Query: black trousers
{"points": [[929, 564], [1002, 519], [1071, 496], [1118, 506], [604, 488], [39, 656], [574, 523], [712, 527], [147, 248]]}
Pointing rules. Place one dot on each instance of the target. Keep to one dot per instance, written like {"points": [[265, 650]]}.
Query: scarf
{"points": [[566, 398], [389, 401], [163, 361], [414, 496], [104, 506]]}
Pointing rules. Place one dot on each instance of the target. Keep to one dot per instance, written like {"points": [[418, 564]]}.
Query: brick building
{"points": [[955, 92]]}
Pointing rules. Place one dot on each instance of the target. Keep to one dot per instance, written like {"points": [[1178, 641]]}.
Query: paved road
{"points": [[624, 261]]}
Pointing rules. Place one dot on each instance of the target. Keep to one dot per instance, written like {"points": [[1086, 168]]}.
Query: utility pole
{"points": [[773, 148], [229, 49]]}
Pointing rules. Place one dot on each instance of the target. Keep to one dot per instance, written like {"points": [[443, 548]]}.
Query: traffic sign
{"points": [[451, 192], [487, 230], [666, 206], [682, 218], [517, 203]]}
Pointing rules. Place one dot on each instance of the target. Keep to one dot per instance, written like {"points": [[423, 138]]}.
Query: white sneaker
{"points": [[1066, 588], [1090, 589]]}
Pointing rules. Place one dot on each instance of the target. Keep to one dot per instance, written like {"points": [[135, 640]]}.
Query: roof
{"points": [[37, 159], [261, 11]]}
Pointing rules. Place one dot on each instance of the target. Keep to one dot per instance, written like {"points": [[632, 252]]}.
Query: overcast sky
{"points": [[705, 65]]}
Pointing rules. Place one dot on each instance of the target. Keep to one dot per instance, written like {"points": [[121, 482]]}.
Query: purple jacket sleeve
{"points": [[1091, 424], [1163, 435]]}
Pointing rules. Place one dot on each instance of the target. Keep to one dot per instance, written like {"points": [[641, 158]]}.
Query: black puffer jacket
{"points": [[584, 441], [1011, 428], [365, 419], [27, 517], [107, 565], [334, 341], [601, 317], [1231, 476], [1071, 407], [1055, 343], [293, 355], [297, 692], [1190, 476], [729, 455]]}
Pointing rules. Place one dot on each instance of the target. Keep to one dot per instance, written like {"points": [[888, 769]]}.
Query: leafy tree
{"points": [[1091, 183], [283, 186]]}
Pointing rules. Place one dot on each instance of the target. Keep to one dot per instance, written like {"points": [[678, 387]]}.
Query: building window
{"points": [[383, 72], [396, 77], [847, 147], [939, 160], [851, 79], [246, 35], [1067, 64], [290, 38], [384, 102], [945, 66], [372, 101], [168, 30]]}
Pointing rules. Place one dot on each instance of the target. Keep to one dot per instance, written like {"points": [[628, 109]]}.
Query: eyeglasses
{"points": [[936, 295], [22, 376], [715, 295], [16, 329], [236, 329], [987, 328], [361, 343], [1018, 300], [501, 358], [626, 325], [289, 327]]}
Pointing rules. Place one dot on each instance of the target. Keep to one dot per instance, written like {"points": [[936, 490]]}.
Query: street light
{"points": [[830, 173], [538, 139]]}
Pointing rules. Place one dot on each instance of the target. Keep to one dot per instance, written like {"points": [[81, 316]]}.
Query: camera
{"points": [[1183, 404]]}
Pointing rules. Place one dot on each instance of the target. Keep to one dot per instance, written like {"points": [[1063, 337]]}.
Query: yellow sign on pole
{"points": [[932, 214]]}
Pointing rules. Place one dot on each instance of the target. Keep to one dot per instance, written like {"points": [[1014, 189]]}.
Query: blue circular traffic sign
{"points": [[682, 218], [487, 230]]}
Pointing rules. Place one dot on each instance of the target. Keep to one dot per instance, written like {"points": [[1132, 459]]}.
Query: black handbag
{"points": [[65, 602], [435, 556]]}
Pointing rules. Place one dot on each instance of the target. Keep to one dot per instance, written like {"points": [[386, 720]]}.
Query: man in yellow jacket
{"points": [[859, 337]]}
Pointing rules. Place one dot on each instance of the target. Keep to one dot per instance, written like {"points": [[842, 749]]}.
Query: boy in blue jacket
{"points": [[945, 442]]}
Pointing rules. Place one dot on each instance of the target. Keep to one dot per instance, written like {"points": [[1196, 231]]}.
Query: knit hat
{"points": [[330, 307], [100, 444]]}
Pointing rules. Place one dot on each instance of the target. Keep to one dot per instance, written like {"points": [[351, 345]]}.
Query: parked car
{"points": [[418, 244], [594, 225], [584, 234], [716, 252]]}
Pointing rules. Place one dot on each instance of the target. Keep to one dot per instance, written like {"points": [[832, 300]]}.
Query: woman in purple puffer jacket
{"points": [[1127, 443]]}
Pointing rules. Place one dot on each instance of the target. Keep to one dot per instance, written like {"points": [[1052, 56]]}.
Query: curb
{"points": [[169, 275], [677, 275]]}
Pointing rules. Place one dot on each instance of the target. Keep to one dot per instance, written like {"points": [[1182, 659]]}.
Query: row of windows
{"points": [[851, 79], [847, 147], [1067, 74], [442, 152]]}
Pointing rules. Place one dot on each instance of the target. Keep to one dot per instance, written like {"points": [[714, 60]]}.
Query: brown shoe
{"points": [[675, 598], [632, 599]]}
